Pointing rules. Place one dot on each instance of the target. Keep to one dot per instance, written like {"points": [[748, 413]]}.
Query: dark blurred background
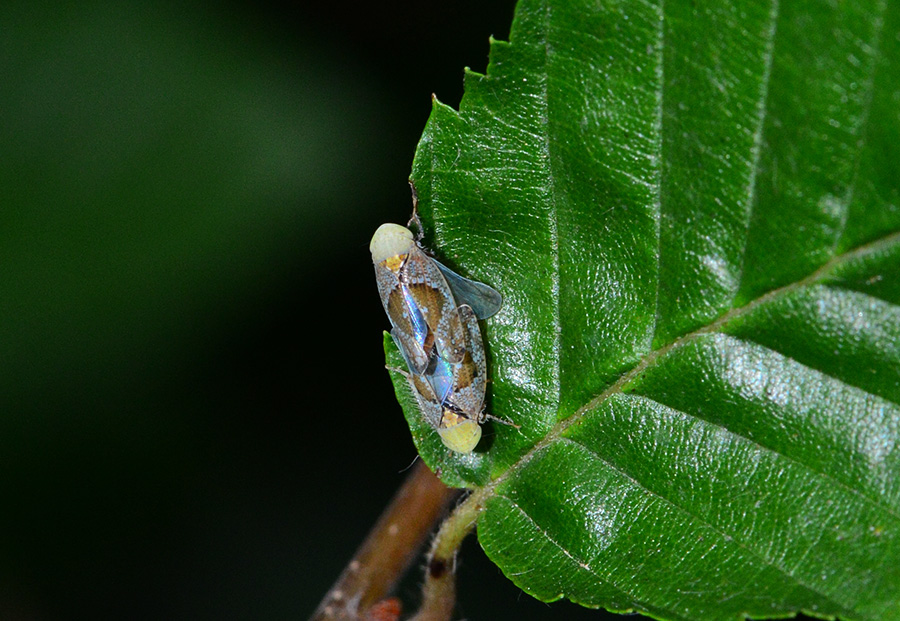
{"points": [[195, 421]]}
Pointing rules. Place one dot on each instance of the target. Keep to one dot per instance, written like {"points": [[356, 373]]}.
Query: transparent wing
{"points": [[484, 300]]}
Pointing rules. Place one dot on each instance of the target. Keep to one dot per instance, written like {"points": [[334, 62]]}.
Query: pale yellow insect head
{"points": [[389, 241], [459, 434]]}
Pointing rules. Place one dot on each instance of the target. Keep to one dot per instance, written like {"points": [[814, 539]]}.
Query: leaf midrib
{"points": [[734, 313], [478, 499], [482, 494]]}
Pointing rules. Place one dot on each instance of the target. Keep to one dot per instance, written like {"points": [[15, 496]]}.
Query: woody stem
{"points": [[389, 548], [439, 590]]}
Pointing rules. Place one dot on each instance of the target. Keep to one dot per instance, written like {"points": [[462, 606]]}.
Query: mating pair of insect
{"points": [[434, 315]]}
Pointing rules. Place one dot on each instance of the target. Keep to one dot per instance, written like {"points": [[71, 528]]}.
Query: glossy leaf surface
{"points": [[693, 214]]}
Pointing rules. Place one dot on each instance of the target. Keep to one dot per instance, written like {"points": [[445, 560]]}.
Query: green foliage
{"points": [[693, 214]]}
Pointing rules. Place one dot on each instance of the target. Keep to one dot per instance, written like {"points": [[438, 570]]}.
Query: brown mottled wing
{"points": [[390, 289], [470, 375], [429, 404], [428, 288]]}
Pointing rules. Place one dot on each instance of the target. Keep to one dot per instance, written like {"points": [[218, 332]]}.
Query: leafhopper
{"points": [[421, 298]]}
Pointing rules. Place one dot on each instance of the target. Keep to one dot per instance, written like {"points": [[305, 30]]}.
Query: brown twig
{"points": [[389, 548], [439, 590]]}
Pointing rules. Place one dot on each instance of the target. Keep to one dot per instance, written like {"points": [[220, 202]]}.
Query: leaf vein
{"points": [[756, 148], [625, 379], [873, 500], [869, 95], [553, 215], [702, 521], [580, 565], [658, 159]]}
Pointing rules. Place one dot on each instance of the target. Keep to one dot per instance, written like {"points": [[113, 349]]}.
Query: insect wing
{"points": [[469, 376], [457, 389], [434, 313], [458, 432], [416, 297], [395, 334], [484, 300], [425, 288], [410, 330], [428, 402], [451, 395], [440, 374]]}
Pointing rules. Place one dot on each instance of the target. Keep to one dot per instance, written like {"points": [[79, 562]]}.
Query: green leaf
{"points": [[693, 213]]}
